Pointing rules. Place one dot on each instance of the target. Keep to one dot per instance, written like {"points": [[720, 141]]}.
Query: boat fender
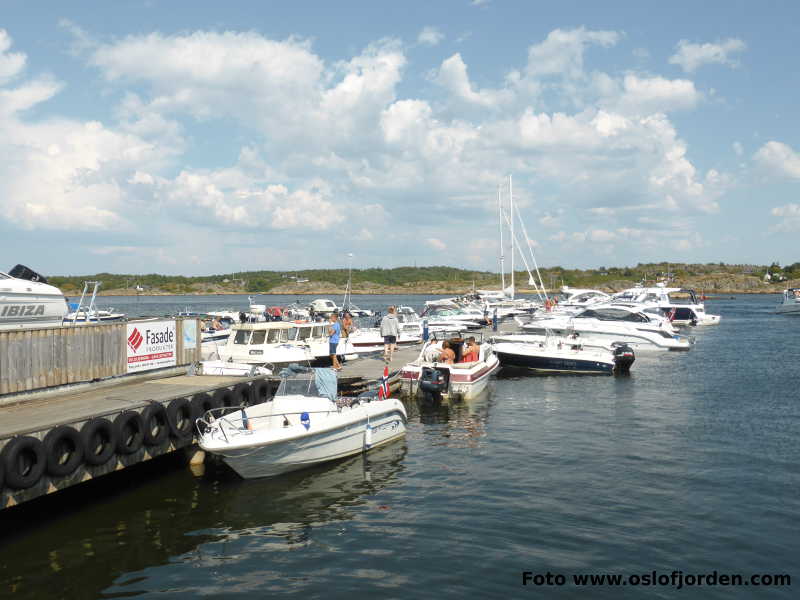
{"points": [[24, 461], [129, 431], [246, 424], [179, 418], [260, 391], [99, 441], [243, 394], [224, 398], [368, 436], [63, 448], [305, 420], [156, 424]]}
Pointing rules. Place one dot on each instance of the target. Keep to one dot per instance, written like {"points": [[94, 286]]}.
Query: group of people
{"points": [[470, 352], [338, 329]]}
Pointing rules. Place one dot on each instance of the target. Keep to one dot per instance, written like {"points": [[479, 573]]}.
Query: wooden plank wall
{"points": [[32, 359]]}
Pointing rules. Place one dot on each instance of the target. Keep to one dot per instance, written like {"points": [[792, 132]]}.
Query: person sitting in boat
{"points": [[447, 355], [471, 351], [216, 325]]}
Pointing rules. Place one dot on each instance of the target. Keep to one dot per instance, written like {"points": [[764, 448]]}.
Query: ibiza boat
{"points": [[790, 302], [560, 354], [460, 380], [305, 424], [26, 300], [608, 324]]}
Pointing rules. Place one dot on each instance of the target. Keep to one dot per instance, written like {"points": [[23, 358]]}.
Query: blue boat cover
{"points": [[325, 380]]}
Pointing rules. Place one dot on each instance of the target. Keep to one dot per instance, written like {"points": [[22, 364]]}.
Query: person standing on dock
{"points": [[334, 331], [390, 330]]}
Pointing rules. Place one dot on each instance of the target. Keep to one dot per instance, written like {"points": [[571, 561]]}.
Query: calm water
{"points": [[692, 463]]}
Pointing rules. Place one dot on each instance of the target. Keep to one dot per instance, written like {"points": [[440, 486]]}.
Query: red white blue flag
{"points": [[383, 389]]}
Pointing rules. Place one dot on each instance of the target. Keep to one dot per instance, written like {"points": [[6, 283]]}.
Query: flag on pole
{"points": [[383, 390]]}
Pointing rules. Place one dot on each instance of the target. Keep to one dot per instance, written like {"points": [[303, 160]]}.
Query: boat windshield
{"points": [[302, 381], [4, 276]]}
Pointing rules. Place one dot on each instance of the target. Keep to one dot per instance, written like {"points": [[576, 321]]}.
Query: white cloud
{"points": [[656, 94], [430, 36], [453, 77], [691, 56], [11, 63], [778, 158], [738, 148], [561, 53]]}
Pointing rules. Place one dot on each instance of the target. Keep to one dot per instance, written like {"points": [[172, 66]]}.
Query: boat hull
{"points": [[554, 364]]}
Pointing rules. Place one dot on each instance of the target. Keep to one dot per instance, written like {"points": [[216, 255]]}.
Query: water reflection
{"points": [[176, 517], [453, 423]]}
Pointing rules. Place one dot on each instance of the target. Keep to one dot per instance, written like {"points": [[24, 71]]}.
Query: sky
{"points": [[203, 137]]}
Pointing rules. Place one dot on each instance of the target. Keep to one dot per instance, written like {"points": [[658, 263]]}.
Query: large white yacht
{"points": [[26, 300], [682, 305]]}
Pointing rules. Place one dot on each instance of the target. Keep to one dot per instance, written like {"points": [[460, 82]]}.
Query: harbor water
{"points": [[690, 464]]}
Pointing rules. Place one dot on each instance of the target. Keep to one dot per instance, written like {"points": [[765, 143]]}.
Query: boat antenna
{"points": [[511, 210], [502, 257]]}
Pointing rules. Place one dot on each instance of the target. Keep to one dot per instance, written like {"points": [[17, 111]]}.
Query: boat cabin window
{"points": [[242, 337], [319, 331], [612, 314], [277, 336], [302, 333], [259, 337]]}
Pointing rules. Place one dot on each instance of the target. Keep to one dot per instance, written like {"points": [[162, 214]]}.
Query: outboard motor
{"points": [[432, 382], [623, 358]]}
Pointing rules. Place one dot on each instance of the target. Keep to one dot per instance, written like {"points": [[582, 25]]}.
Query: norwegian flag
{"points": [[135, 339], [383, 388]]}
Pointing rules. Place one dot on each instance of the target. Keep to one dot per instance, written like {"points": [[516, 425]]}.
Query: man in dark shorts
{"points": [[390, 330]]}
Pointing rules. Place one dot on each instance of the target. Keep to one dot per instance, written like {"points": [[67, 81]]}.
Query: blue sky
{"points": [[192, 137]]}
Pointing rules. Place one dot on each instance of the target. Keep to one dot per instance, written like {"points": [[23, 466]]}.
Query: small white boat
{"points": [[304, 425], [220, 367], [790, 302], [463, 380], [263, 343]]}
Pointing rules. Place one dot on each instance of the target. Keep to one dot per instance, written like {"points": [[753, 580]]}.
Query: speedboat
{"points": [[560, 354], [305, 424], [26, 300], [460, 380], [606, 324], [790, 302]]}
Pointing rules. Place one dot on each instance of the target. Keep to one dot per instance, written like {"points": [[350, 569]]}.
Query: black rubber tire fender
{"points": [[260, 391], [180, 418], [63, 448], [24, 461], [201, 404], [99, 441], [243, 394], [129, 431], [226, 399], [156, 425]]}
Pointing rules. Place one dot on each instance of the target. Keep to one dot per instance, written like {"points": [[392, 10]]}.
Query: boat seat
{"points": [[466, 365]]}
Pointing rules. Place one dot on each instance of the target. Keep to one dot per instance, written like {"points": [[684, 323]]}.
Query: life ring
{"points": [[201, 404], [260, 389], [129, 431], [99, 441], [63, 448], [179, 417], [243, 392], [156, 426], [24, 461]]}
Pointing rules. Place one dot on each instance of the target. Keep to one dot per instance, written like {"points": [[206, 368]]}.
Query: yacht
{"points": [[305, 424], [681, 305], [263, 343], [26, 300], [606, 324], [323, 306], [790, 302]]}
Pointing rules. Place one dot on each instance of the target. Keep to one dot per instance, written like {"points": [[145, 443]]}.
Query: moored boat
{"points": [[26, 300], [558, 354], [790, 302]]}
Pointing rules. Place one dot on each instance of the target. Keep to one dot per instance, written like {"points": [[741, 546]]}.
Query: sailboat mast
{"points": [[511, 211], [502, 257]]}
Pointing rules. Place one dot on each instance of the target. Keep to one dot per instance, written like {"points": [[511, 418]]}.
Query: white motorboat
{"points": [[80, 314], [304, 425], [790, 302], [680, 305], [264, 343], [608, 324], [323, 306], [559, 354], [463, 380], [26, 300], [219, 367]]}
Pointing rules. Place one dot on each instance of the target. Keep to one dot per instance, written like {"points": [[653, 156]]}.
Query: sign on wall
{"points": [[151, 345]]}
